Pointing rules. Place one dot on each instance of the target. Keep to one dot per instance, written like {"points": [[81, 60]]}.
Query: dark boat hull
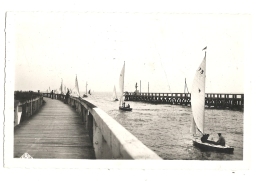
{"points": [[115, 99], [125, 108], [211, 147]]}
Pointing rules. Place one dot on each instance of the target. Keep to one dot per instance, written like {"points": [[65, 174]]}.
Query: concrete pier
{"points": [[110, 139]]}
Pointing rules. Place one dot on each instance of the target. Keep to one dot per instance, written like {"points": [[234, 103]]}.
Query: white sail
{"points": [[114, 93], [121, 85], [198, 96], [86, 88], [186, 87], [61, 88], [77, 87]]}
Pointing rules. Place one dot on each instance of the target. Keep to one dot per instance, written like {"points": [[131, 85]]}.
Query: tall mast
{"points": [[140, 86], [124, 78]]}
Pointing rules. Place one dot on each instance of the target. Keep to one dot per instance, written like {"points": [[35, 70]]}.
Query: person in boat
{"points": [[221, 140], [204, 139], [128, 106], [123, 104]]}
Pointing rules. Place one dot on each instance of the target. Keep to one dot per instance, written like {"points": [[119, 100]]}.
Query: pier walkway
{"points": [[56, 131]]}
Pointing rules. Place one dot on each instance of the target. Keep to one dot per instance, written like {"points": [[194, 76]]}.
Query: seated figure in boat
{"points": [[128, 106], [221, 140], [204, 139]]}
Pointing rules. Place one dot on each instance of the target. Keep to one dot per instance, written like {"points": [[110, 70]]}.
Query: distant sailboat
{"points": [[86, 94], [76, 88], [121, 87], [198, 111], [61, 87], [114, 94], [186, 87]]}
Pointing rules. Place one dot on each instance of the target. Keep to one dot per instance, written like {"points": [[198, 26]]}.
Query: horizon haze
{"points": [[160, 48]]}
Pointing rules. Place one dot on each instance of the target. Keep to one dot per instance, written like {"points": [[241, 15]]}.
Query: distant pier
{"points": [[212, 100]]}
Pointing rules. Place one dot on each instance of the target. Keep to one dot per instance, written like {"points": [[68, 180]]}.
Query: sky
{"points": [[160, 48]]}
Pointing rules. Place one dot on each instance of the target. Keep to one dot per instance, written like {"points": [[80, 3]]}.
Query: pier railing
{"points": [[26, 104], [110, 139], [212, 100]]}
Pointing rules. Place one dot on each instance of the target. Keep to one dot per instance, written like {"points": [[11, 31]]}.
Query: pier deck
{"points": [[56, 131]]}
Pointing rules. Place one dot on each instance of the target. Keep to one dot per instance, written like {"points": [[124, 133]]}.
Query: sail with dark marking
{"points": [[198, 97]]}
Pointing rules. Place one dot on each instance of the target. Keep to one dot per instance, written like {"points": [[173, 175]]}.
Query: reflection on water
{"points": [[166, 128]]}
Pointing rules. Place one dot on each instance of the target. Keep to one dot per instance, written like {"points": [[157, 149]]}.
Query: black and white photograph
{"points": [[83, 86]]}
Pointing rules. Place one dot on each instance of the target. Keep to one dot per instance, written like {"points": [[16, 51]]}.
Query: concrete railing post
{"points": [[20, 112], [16, 115], [101, 148], [27, 110], [79, 108], [90, 126], [83, 113], [86, 119]]}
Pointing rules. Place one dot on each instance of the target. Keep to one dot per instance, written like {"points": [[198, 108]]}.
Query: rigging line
{"points": [[163, 68], [186, 87]]}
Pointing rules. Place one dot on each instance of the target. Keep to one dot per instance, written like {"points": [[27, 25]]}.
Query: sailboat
{"points": [[121, 87], [76, 89], [198, 111], [186, 87], [85, 95], [114, 94]]}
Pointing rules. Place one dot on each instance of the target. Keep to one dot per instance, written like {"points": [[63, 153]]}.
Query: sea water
{"points": [[165, 128]]}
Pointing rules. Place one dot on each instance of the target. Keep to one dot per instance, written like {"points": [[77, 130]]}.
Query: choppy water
{"points": [[165, 129]]}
